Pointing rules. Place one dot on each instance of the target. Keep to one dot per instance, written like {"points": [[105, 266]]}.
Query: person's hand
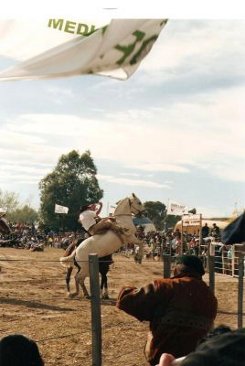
{"points": [[166, 359]]}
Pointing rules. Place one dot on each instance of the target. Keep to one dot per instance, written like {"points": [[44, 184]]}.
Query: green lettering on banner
{"points": [[82, 29], [70, 27], [144, 49], [55, 23], [127, 50]]}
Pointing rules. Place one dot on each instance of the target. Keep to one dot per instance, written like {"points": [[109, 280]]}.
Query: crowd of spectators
{"points": [[29, 236], [156, 243]]}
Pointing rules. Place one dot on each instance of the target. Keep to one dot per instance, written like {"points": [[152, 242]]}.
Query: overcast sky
{"points": [[173, 131]]}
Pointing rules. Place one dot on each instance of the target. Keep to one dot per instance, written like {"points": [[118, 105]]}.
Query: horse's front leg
{"points": [[85, 291]]}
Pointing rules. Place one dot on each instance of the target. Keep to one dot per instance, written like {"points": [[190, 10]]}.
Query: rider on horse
{"points": [[93, 224]]}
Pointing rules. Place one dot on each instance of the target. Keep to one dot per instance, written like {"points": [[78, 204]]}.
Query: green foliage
{"points": [[15, 211], [156, 213], [171, 221], [72, 183], [8, 201], [25, 214]]}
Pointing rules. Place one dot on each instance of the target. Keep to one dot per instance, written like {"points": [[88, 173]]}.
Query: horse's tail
{"points": [[69, 260]]}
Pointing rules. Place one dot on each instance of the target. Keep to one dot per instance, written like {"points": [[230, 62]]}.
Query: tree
{"points": [[171, 221], [25, 214], [8, 201], [72, 183], [156, 212]]}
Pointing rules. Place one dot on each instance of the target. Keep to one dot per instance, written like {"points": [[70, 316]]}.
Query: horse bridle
{"points": [[131, 205]]}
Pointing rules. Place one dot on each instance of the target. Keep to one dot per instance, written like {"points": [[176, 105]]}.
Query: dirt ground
{"points": [[33, 302]]}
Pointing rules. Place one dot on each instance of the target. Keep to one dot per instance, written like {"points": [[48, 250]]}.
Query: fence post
{"points": [[240, 290], [166, 265], [95, 310], [211, 258]]}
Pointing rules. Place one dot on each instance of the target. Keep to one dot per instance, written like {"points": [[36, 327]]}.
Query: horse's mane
{"points": [[123, 205]]}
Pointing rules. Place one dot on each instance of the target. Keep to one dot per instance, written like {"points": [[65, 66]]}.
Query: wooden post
{"points": [[182, 241], [200, 236], [233, 261], [211, 268], [166, 265], [95, 310]]}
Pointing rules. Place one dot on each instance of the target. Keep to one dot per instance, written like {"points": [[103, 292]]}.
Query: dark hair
{"points": [[191, 261], [220, 329], [227, 349], [18, 350]]}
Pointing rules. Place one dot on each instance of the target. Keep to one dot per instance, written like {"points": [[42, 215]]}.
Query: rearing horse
{"points": [[108, 242], [104, 267]]}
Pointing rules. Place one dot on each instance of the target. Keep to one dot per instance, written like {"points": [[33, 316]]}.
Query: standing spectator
{"points": [[226, 261], [177, 234], [215, 231], [181, 309], [205, 231]]}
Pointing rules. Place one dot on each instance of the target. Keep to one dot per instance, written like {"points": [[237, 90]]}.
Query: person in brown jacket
{"points": [[181, 309]]}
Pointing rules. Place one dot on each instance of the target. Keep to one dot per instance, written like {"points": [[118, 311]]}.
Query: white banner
{"points": [[176, 209], [191, 220], [61, 209], [62, 48]]}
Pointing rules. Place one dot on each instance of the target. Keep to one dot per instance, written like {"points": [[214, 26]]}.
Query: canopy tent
{"points": [[194, 229], [145, 222]]}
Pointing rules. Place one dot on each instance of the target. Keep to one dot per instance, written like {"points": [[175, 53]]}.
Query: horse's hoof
{"points": [[87, 297], [71, 296], [105, 297]]}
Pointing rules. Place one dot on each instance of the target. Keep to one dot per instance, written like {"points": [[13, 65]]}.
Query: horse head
{"points": [[4, 226], [129, 205], [136, 205]]}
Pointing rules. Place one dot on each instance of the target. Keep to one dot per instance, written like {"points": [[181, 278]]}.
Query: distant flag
{"points": [[58, 48], [61, 209], [176, 209]]}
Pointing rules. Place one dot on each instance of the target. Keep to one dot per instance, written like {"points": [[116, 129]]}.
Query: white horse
{"points": [[108, 242]]}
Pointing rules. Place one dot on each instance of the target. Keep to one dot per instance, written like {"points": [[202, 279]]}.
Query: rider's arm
{"points": [[99, 209]]}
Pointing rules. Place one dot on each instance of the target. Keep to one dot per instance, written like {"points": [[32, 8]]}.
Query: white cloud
{"points": [[197, 44], [130, 174], [132, 182], [202, 132], [158, 167]]}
